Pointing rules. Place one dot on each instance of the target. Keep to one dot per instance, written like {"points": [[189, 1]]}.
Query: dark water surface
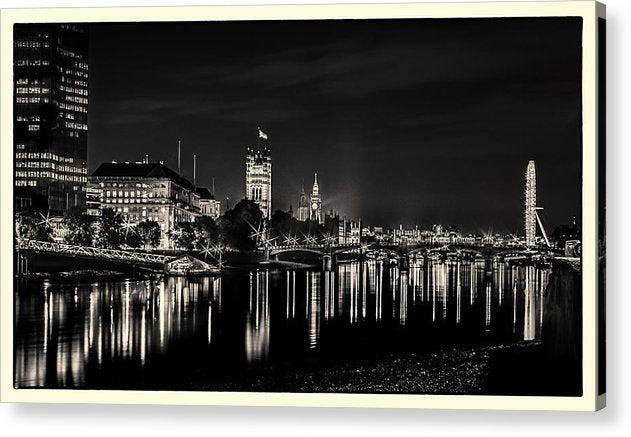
{"points": [[171, 333]]}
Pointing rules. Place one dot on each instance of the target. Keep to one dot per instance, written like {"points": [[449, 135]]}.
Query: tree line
{"points": [[233, 230]]}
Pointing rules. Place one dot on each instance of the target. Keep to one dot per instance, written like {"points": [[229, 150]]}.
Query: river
{"points": [[216, 332]]}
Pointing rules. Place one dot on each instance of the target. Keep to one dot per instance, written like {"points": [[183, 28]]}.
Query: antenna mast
{"points": [[178, 158], [194, 169]]}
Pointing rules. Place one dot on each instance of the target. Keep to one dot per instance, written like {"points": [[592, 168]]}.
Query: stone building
{"points": [[145, 191]]}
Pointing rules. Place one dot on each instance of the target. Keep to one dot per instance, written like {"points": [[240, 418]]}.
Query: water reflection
{"points": [[73, 336], [257, 329], [313, 307]]}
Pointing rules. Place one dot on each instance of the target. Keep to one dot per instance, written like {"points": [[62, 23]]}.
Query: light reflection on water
{"points": [[71, 336]]}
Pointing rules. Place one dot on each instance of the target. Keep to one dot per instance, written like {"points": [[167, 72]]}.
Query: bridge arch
{"points": [[298, 249]]}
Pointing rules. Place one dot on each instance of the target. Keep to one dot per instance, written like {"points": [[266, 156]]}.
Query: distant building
{"points": [[403, 235], [258, 178], [303, 205], [50, 109], [350, 231], [145, 191], [59, 229], [437, 229], [564, 233], [208, 205], [316, 202], [468, 239], [93, 200]]}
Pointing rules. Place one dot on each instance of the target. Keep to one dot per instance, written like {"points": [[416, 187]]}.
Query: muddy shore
{"points": [[455, 370]]}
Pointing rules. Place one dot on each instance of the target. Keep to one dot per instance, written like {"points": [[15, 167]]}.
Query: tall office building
{"points": [[50, 133], [258, 178]]}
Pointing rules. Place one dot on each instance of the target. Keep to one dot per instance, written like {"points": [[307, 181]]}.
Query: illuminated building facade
{"points": [[146, 191], [315, 213], [50, 132], [530, 217], [350, 231], [258, 178], [303, 205], [208, 205]]}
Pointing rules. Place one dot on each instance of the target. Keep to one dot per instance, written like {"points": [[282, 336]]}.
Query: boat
{"points": [[188, 265]]}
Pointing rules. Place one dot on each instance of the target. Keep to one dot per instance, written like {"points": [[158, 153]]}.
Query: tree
{"points": [[234, 225], [133, 240], [206, 232], [33, 225], [282, 225], [149, 232], [109, 233], [183, 236], [79, 227]]}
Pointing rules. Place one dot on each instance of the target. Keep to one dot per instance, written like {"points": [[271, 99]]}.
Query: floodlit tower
{"points": [[316, 202], [258, 176], [530, 214], [303, 205]]}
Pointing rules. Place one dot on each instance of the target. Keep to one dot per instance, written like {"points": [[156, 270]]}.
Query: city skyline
{"points": [[452, 150]]}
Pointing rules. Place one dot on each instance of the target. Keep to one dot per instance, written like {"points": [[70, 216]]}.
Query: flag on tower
{"points": [[262, 134]]}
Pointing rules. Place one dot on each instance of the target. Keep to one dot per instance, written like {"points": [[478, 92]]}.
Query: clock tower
{"points": [[315, 207]]}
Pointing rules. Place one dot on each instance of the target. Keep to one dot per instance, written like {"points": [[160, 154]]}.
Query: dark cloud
{"points": [[405, 121]]}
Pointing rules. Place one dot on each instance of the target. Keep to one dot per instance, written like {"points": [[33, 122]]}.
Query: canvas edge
{"points": [[601, 399], [588, 10]]}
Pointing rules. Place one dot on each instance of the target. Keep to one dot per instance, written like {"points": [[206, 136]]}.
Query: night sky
{"points": [[405, 121]]}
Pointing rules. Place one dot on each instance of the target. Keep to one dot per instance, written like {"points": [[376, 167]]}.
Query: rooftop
{"points": [[204, 193], [141, 170]]}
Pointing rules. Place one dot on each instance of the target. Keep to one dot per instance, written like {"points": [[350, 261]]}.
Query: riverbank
{"points": [[472, 371], [83, 276]]}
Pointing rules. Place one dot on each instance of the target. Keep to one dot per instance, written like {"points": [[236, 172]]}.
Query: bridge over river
{"points": [[27, 248], [329, 253], [101, 259]]}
